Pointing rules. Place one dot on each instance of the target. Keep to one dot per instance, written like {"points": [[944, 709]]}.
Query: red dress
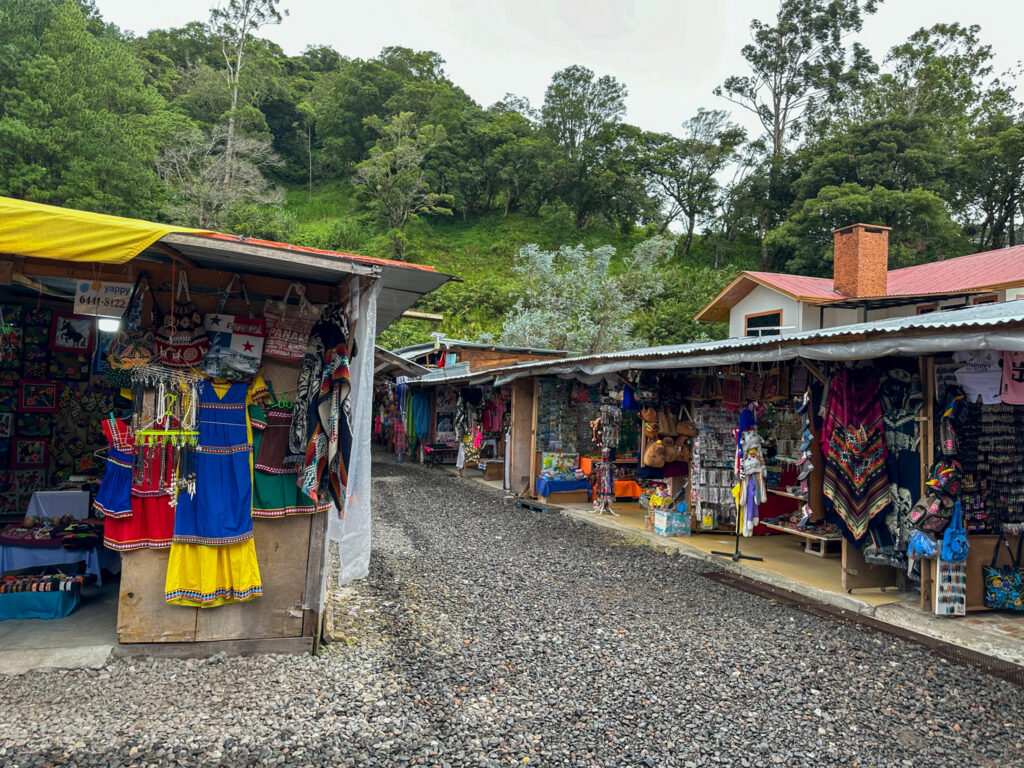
{"points": [[151, 523]]}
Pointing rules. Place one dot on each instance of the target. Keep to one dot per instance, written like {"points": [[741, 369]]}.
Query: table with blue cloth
{"points": [[13, 558], [546, 486]]}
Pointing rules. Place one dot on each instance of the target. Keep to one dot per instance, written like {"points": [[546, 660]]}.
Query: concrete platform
{"points": [[83, 640]]}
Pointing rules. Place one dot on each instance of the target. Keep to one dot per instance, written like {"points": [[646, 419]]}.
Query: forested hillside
{"points": [[213, 125]]}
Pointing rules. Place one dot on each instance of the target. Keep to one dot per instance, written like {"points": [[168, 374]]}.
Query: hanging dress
{"points": [[276, 491], [150, 521], [114, 498], [213, 557]]}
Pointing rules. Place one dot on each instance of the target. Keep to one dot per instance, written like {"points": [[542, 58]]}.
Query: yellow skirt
{"points": [[204, 576]]}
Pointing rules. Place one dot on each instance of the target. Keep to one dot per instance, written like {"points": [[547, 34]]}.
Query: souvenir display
{"points": [[37, 397]]}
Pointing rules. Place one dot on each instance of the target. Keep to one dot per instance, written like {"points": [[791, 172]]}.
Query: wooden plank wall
{"points": [[523, 426]]}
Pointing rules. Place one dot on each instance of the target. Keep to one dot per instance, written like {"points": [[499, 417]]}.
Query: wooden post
{"points": [[926, 369]]}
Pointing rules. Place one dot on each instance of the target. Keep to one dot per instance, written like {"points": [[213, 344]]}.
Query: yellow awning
{"points": [[49, 232]]}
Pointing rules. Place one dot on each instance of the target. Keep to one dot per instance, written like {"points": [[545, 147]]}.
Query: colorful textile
{"points": [[856, 478], [204, 576], [114, 498], [321, 431], [221, 510], [213, 557], [1013, 378], [150, 524], [275, 491], [398, 439]]}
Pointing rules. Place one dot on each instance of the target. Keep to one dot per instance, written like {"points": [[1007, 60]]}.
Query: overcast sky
{"points": [[669, 53]]}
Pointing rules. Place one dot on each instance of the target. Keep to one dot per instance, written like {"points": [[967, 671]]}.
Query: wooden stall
{"points": [[290, 550]]}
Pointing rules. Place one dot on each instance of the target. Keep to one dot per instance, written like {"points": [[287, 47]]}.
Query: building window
{"points": [[989, 299], [763, 323], [925, 309]]}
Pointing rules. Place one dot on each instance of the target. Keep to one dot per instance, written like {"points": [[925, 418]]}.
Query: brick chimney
{"points": [[861, 261]]}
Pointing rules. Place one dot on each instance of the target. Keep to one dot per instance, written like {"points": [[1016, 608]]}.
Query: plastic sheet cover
{"points": [[49, 232], [351, 534]]}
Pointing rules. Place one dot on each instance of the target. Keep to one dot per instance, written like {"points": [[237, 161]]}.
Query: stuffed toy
{"points": [[654, 454]]}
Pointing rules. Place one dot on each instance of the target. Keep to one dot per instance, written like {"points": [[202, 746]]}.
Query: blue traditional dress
{"points": [[213, 556]]}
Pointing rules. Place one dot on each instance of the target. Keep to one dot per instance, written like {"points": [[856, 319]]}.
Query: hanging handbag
{"points": [[922, 545], [954, 539], [133, 346], [288, 334], [236, 342], [180, 342], [666, 422], [930, 514], [1004, 585], [650, 420]]}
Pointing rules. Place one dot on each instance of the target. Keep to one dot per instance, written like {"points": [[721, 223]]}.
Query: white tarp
{"points": [[352, 532]]}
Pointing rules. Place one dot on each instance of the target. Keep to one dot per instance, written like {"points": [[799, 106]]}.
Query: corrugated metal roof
{"points": [[402, 284], [982, 316], [416, 349]]}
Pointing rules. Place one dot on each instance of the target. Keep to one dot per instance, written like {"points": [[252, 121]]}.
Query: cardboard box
{"points": [[493, 470]]}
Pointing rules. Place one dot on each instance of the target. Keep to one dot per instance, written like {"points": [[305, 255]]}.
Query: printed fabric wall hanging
{"points": [[72, 333], [236, 342]]}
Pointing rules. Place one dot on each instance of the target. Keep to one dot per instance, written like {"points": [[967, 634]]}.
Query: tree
{"points": [[192, 168], [571, 299], [684, 172], [943, 72], [896, 152], [78, 125], [577, 107], [800, 61], [234, 24], [988, 186], [922, 229], [392, 177]]}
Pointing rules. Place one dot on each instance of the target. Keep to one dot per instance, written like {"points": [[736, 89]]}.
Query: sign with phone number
{"points": [[102, 298]]}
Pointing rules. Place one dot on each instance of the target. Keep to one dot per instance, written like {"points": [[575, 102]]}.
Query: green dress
{"points": [[276, 491]]}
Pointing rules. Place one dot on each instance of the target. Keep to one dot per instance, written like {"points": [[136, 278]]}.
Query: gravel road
{"points": [[491, 636]]}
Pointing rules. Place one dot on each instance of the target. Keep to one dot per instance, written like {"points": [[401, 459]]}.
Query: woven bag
{"points": [[288, 328]]}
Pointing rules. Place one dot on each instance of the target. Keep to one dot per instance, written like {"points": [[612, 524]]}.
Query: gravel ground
{"points": [[491, 636]]}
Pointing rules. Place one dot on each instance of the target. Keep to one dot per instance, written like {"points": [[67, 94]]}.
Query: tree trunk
{"points": [[691, 222], [309, 153], [762, 232]]}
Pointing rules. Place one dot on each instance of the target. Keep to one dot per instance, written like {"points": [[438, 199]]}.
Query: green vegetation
{"points": [[210, 124]]}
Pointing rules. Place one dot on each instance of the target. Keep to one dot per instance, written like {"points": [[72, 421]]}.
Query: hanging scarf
{"points": [[325, 401]]}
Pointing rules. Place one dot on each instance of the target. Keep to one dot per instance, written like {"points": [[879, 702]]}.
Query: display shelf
{"points": [[787, 494], [816, 543]]}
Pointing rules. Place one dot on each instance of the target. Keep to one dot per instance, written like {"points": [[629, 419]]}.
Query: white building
{"points": [[863, 288]]}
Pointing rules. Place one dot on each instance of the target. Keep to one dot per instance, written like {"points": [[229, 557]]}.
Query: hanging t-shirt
{"points": [[980, 375], [1013, 377]]}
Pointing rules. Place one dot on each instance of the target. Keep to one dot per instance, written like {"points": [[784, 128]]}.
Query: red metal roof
{"points": [[974, 273], [318, 251], [799, 286], [965, 273]]}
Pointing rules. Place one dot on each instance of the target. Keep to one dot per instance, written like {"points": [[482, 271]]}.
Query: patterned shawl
{"points": [[857, 478], [325, 433]]}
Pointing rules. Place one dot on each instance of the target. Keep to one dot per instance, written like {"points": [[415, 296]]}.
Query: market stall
{"points": [[213, 395], [836, 440]]}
